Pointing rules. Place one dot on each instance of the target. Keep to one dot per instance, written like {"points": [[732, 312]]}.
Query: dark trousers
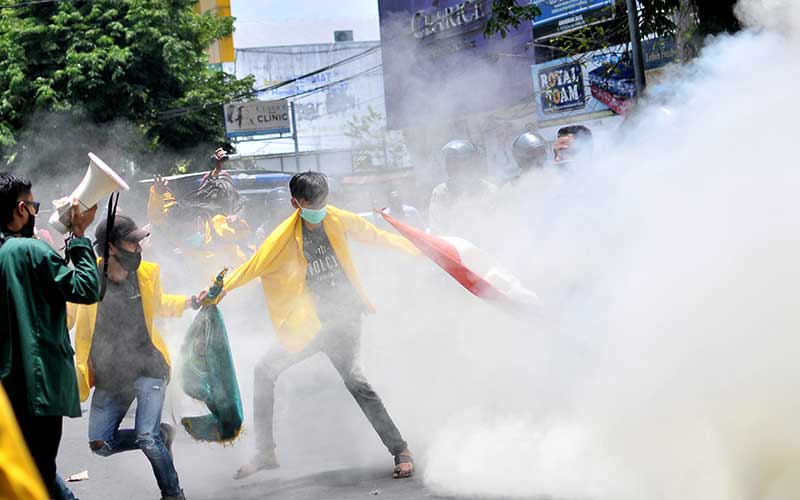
{"points": [[43, 436], [341, 343]]}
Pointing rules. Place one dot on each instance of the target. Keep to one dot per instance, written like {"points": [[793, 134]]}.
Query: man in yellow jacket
{"points": [[315, 301], [121, 354], [19, 478]]}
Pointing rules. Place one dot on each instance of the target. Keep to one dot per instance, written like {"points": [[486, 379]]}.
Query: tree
{"points": [[373, 145], [656, 18], [103, 61], [508, 14]]}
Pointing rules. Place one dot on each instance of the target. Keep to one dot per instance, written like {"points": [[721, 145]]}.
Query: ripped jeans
{"points": [[106, 438]]}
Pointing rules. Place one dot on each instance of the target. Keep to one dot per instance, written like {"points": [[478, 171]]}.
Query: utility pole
{"points": [[636, 48], [294, 138]]}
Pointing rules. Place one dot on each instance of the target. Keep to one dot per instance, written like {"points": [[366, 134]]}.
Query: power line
{"points": [[331, 84], [176, 112]]}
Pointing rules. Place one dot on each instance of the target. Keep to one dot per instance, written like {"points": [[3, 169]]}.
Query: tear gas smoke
{"points": [[661, 363], [664, 362]]}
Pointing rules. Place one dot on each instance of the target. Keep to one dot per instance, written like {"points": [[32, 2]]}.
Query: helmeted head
{"points": [[529, 150], [463, 159], [278, 204]]}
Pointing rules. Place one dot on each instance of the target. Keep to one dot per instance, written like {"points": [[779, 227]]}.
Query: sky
{"points": [[289, 22]]}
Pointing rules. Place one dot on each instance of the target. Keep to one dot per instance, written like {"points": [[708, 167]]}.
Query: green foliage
{"points": [[655, 18], [106, 60], [507, 14]]}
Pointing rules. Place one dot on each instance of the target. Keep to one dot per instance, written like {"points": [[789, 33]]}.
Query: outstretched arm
{"points": [[365, 232], [262, 261]]}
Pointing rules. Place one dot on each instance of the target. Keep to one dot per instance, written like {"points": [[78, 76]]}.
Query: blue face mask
{"points": [[313, 216], [194, 241]]}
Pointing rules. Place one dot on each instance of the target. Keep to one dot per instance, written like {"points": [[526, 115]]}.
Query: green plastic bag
{"points": [[209, 376]]}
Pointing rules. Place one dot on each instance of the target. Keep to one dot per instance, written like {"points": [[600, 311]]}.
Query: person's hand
{"points": [[81, 220], [160, 184], [202, 295], [215, 301], [220, 155]]}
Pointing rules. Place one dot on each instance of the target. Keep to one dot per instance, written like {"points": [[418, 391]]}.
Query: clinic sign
{"points": [[257, 118], [563, 16]]}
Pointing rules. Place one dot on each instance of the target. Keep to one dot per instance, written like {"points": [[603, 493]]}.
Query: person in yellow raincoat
{"points": [[315, 300], [208, 235], [121, 353], [19, 478]]}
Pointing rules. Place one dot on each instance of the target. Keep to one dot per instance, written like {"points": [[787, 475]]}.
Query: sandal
{"points": [[400, 473]]}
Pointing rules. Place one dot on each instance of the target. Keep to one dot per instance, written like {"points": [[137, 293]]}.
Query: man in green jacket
{"points": [[36, 359]]}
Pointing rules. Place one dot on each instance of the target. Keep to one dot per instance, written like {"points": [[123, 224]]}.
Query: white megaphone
{"points": [[99, 182]]}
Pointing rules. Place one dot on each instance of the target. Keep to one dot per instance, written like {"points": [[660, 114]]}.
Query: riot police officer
{"points": [[530, 151], [467, 174]]}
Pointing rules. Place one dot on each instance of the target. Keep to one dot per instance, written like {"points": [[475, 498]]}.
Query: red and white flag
{"points": [[466, 263]]}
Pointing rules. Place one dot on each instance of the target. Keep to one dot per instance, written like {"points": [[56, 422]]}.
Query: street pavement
{"points": [[331, 455], [206, 470]]}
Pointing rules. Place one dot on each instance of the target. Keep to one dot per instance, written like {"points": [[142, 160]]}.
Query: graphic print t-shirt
{"points": [[334, 296]]}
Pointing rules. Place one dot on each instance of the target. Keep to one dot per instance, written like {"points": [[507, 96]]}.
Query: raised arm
{"points": [[363, 231]]}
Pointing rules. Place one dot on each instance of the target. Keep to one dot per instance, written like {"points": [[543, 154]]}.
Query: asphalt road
{"points": [[332, 454]]}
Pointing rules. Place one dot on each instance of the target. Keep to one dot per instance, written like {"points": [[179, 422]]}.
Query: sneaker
{"points": [[179, 496], [262, 461], [168, 436]]}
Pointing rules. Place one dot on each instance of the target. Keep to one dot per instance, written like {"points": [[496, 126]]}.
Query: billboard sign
{"points": [[562, 16], [257, 118], [438, 65], [595, 82]]}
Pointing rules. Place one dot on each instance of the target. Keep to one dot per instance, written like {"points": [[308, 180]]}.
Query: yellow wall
{"points": [[221, 50]]}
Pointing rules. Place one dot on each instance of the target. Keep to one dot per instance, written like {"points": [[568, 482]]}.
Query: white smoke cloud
{"points": [[775, 15], [662, 363], [665, 365]]}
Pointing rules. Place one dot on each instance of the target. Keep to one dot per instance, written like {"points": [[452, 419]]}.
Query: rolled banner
{"points": [[474, 269]]}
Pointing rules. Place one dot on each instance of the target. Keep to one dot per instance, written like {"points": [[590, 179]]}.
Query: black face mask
{"points": [[129, 261], [26, 231]]}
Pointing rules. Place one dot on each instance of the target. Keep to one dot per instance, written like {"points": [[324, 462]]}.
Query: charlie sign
{"points": [[257, 118]]}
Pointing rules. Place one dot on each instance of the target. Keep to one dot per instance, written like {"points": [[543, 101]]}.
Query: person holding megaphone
{"points": [[37, 369]]}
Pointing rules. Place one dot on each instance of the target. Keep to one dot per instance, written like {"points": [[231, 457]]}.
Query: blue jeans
{"points": [[106, 438], [61, 491]]}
